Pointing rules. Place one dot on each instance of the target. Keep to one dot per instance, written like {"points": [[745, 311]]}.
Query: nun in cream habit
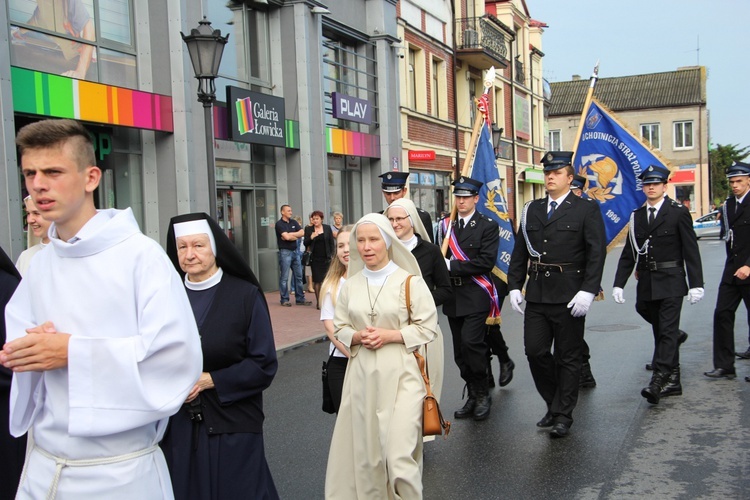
{"points": [[376, 449], [407, 225]]}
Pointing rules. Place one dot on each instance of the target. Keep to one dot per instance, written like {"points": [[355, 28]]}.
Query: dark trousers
{"points": [[726, 305], [664, 317], [336, 372], [496, 343], [585, 351], [555, 376], [470, 349]]}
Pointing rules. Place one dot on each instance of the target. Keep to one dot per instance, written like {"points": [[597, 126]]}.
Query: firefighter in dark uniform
{"points": [[661, 246], [587, 379], [735, 282], [471, 255], [561, 247], [394, 188]]}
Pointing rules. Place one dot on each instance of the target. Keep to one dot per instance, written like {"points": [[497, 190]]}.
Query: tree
{"points": [[719, 159]]}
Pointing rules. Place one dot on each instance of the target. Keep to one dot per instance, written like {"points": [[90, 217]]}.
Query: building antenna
{"points": [[698, 50]]}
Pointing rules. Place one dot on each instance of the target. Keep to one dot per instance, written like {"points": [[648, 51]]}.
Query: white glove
{"points": [[447, 263], [617, 295], [516, 299], [694, 295], [580, 304]]}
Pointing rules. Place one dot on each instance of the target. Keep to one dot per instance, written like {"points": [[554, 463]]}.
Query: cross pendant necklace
{"points": [[373, 315]]}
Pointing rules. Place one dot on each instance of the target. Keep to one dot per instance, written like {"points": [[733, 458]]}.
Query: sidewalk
{"points": [[296, 325]]}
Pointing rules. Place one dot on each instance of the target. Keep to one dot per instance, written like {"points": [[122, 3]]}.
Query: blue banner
{"points": [[611, 159], [492, 201]]}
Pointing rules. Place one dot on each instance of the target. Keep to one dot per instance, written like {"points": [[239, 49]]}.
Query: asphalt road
{"points": [[693, 446]]}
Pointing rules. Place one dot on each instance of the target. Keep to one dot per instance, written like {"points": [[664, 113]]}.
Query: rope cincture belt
{"points": [[61, 463]]}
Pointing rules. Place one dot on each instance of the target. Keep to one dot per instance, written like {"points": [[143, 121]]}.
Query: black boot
{"points": [[652, 393], [673, 386], [586, 380], [506, 372], [471, 402], [484, 401]]}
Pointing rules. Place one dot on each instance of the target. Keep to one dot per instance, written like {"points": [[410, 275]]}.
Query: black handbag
{"points": [[328, 405], [307, 256]]}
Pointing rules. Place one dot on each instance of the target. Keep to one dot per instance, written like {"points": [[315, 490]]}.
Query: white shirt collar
{"points": [[657, 206], [740, 200], [411, 242], [467, 218], [556, 200]]}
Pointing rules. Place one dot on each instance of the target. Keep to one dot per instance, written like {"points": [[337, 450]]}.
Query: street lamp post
{"points": [[206, 46]]}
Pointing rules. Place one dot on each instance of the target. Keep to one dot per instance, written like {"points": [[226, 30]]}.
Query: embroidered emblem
{"points": [[389, 176], [461, 180], [550, 156], [472, 223], [651, 168]]}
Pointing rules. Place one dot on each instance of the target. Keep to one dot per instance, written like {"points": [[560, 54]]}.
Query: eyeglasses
{"points": [[397, 220]]}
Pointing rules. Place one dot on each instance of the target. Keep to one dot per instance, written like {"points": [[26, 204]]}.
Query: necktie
{"points": [[736, 205], [651, 215], [552, 207], [460, 226]]}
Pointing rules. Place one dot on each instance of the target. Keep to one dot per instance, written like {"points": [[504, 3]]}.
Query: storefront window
{"points": [[429, 191], [246, 56], [345, 187], [685, 194], [65, 37]]}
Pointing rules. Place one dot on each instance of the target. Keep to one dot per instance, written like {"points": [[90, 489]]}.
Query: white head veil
{"points": [[397, 253], [411, 210]]}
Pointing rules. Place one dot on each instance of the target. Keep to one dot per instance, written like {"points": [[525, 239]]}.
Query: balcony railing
{"points": [[481, 34]]}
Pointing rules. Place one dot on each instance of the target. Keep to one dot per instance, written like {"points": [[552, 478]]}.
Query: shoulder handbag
{"points": [[307, 256], [328, 405], [433, 423]]}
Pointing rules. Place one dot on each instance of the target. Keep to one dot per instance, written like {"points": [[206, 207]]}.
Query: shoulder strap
{"points": [[408, 296]]}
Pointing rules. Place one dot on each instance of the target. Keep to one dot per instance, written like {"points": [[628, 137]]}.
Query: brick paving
{"points": [[296, 325]]}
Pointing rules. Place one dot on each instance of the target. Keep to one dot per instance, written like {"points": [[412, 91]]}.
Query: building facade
{"points": [[666, 110], [307, 110]]}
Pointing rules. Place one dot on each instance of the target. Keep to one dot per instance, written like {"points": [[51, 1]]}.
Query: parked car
{"points": [[708, 225]]}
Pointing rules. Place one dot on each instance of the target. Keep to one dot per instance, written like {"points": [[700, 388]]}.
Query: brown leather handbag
{"points": [[433, 423]]}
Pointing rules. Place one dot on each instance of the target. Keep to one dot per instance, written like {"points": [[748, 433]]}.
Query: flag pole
{"points": [[489, 82], [586, 104]]}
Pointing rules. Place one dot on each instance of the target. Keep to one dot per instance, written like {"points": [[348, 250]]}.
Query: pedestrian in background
{"points": [[288, 231], [560, 247], [320, 242], [735, 285], [39, 226], [338, 222], [394, 187], [376, 449], [214, 444], [662, 247], [338, 354]]}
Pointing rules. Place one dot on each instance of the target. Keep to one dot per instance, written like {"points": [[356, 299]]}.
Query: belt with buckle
{"points": [[546, 268], [657, 266], [456, 281]]}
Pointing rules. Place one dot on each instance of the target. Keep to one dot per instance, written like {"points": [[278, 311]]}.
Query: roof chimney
{"points": [[576, 78]]}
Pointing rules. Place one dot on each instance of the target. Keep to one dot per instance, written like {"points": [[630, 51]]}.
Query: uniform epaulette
{"points": [[676, 203]]}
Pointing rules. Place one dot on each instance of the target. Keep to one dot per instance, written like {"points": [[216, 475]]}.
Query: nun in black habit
{"points": [[214, 444], [13, 449]]}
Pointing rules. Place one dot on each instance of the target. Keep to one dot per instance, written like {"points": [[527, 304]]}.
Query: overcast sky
{"points": [[651, 36]]}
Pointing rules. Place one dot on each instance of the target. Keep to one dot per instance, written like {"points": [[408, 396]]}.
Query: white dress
{"points": [[376, 449], [133, 356]]}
